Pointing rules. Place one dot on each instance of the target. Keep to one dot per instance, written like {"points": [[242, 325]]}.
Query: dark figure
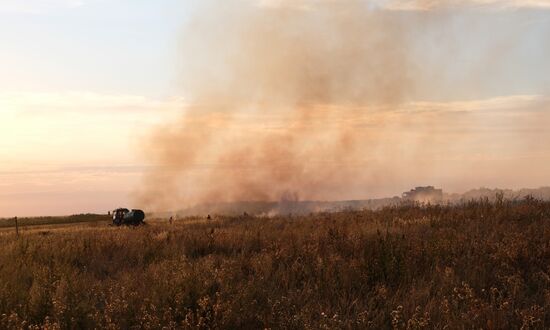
{"points": [[209, 217], [171, 220], [126, 217]]}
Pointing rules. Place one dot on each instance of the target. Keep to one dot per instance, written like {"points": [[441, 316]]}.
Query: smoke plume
{"points": [[294, 102]]}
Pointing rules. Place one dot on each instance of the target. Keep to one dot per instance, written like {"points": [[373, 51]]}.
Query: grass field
{"points": [[45, 221], [476, 265]]}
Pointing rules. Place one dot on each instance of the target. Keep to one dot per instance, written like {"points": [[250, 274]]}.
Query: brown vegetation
{"points": [[46, 221], [477, 265]]}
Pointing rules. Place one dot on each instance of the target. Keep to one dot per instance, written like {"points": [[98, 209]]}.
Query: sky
{"points": [[84, 83], [79, 82]]}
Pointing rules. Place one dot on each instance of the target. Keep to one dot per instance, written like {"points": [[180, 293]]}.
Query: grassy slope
{"points": [[479, 265]]}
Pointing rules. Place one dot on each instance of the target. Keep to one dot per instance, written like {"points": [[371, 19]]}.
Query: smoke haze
{"points": [[330, 101]]}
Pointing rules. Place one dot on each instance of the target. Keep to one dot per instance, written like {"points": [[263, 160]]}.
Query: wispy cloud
{"points": [[82, 101], [482, 4], [514, 103], [111, 169], [38, 6], [415, 5]]}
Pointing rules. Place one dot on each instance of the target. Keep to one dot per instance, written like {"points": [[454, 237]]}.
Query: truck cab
{"points": [[118, 216]]}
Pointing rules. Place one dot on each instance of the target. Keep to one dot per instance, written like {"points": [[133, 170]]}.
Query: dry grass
{"points": [[478, 265], [46, 221]]}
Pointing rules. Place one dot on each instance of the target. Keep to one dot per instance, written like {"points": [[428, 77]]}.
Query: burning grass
{"points": [[477, 265]]}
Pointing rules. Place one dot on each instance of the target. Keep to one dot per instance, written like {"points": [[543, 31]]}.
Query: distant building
{"points": [[426, 194]]}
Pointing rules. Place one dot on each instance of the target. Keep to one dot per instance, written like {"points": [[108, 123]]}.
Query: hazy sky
{"points": [[83, 82], [79, 81]]}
